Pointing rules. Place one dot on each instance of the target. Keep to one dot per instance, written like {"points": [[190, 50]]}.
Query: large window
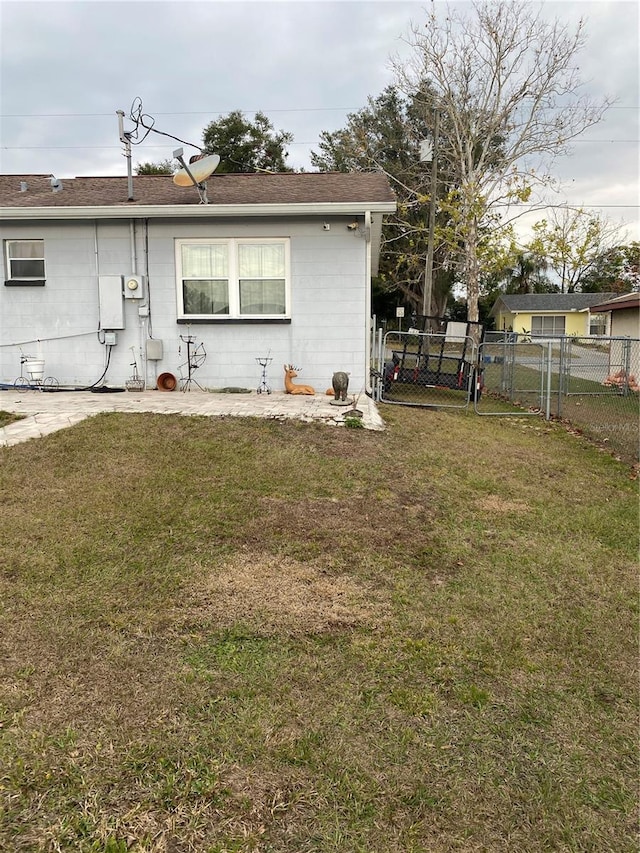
{"points": [[547, 327], [24, 261], [232, 279]]}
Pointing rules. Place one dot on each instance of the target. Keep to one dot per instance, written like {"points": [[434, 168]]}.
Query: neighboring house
{"points": [[624, 314], [274, 266], [551, 314], [623, 322]]}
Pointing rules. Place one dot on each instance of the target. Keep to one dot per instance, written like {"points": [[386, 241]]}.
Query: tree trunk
{"points": [[472, 270]]}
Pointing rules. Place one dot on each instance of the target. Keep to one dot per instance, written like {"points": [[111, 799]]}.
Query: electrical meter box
{"points": [[134, 286]]}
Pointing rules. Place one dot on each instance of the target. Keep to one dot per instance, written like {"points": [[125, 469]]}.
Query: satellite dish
{"points": [[200, 169]]}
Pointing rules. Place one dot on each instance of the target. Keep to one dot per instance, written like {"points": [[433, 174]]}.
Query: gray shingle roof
{"points": [[550, 301], [236, 189]]}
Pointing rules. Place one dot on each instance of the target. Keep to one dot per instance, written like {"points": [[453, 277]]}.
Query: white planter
{"points": [[35, 369]]}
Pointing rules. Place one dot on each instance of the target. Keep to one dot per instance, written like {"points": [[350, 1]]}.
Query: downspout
{"points": [[367, 362], [141, 320], [144, 311], [96, 253], [132, 246]]}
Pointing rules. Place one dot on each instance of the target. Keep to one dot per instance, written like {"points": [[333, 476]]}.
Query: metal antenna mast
{"points": [[125, 138]]}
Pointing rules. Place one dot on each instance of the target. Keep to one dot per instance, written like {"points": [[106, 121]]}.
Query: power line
{"points": [[186, 113], [225, 112], [313, 142], [98, 147]]}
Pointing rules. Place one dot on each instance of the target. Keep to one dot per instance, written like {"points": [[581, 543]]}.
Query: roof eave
{"points": [[180, 211]]}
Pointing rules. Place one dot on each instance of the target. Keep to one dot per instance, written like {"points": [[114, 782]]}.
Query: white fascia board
{"points": [[177, 211]]}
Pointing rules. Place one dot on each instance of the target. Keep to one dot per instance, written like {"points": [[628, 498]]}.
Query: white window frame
{"points": [[544, 320], [233, 278], [23, 279], [598, 321]]}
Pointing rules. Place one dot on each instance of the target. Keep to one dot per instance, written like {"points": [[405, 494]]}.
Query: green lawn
{"points": [[241, 635]]}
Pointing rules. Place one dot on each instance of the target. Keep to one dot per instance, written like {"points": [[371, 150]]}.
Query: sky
{"points": [[66, 67]]}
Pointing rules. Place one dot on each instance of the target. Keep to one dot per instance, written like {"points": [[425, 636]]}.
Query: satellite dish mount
{"points": [[196, 173]]}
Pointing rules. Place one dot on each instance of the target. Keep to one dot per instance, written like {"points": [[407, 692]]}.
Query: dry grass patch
{"points": [[495, 503], [281, 595]]}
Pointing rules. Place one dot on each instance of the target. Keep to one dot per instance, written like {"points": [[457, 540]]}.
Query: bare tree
{"points": [[506, 84], [573, 241]]}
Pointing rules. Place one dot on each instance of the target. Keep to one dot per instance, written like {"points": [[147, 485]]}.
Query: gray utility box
{"points": [[110, 301], [154, 350]]}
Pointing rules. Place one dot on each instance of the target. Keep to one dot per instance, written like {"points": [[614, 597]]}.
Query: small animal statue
{"points": [[290, 373], [340, 383]]}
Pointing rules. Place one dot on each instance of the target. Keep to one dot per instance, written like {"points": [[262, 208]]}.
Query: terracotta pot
{"points": [[166, 382]]}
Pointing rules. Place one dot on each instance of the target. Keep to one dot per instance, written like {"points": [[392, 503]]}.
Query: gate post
{"points": [[547, 416], [563, 370], [626, 354]]}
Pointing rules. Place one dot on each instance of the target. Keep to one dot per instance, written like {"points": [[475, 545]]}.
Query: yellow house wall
{"points": [[576, 322]]}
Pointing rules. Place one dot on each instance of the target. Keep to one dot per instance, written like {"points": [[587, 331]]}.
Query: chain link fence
{"points": [[592, 382]]}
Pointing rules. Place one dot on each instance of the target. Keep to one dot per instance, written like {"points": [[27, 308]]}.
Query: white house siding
{"points": [[59, 322], [623, 355]]}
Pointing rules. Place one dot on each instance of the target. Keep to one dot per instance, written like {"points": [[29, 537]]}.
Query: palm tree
{"points": [[528, 275]]}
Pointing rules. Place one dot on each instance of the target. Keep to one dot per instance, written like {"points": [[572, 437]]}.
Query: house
{"points": [[624, 314], [623, 321], [550, 314], [102, 272]]}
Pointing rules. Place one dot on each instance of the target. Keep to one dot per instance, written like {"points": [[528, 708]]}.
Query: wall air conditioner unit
{"points": [[134, 286]]}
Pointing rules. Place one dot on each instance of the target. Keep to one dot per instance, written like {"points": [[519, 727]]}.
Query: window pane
{"points": [[547, 326], [26, 249], [262, 297], [27, 269], [203, 296], [262, 260], [203, 260]]}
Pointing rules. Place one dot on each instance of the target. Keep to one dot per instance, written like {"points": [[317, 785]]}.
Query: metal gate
{"points": [[427, 369], [514, 372]]}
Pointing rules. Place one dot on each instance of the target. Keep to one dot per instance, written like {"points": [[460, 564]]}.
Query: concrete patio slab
{"points": [[47, 411]]}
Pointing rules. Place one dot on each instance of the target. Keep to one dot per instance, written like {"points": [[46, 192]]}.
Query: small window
{"points": [[25, 261], [598, 324], [548, 327]]}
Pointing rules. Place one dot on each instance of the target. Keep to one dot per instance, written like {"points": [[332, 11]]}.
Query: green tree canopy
{"points": [[617, 270], [163, 167], [385, 136], [573, 242], [247, 146]]}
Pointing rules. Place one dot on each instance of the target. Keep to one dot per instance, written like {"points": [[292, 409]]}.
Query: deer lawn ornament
{"points": [[290, 373]]}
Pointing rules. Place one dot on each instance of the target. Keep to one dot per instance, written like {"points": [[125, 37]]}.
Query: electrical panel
{"points": [[110, 302], [134, 286]]}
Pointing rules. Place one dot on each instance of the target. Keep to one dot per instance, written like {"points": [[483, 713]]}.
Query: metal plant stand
{"points": [[196, 356], [263, 387]]}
